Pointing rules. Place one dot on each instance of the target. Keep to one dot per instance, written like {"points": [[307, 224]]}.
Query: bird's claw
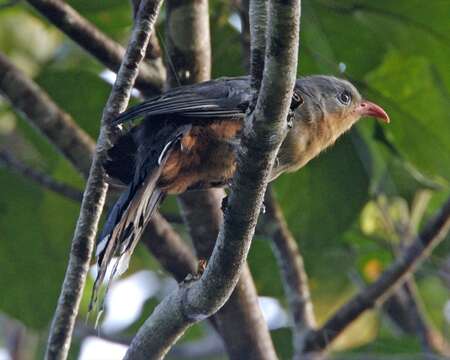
{"points": [[263, 208], [224, 205], [201, 266]]}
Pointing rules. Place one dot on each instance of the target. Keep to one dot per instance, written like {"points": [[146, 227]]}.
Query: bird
{"points": [[189, 138]]}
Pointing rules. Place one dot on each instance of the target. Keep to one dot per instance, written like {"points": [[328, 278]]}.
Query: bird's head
{"points": [[335, 101], [331, 106], [328, 107]]}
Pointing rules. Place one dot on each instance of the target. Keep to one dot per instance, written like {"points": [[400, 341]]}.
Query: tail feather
{"points": [[121, 233], [131, 213]]}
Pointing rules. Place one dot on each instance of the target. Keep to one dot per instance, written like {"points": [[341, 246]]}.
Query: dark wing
{"points": [[221, 98]]}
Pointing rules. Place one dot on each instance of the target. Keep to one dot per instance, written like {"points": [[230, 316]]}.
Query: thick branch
{"points": [[188, 41], [41, 178], [431, 235], [240, 321], [266, 130], [37, 107], [94, 196], [151, 75], [290, 261]]}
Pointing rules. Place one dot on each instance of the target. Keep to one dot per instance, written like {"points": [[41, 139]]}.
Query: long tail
{"points": [[130, 214]]}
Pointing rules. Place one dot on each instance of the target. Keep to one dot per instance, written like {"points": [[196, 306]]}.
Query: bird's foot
{"points": [[201, 266], [224, 205], [263, 208]]}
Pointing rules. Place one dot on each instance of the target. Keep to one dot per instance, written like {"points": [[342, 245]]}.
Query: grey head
{"points": [[329, 107], [338, 99]]}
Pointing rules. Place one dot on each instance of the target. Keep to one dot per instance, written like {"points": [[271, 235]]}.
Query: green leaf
{"points": [[36, 230], [264, 269], [81, 93], [418, 110]]}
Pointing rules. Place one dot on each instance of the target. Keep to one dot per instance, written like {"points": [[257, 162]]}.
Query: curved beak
{"points": [[367, 108]]}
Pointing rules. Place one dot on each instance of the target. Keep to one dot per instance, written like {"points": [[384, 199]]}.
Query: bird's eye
{"points": [[345, 97]]}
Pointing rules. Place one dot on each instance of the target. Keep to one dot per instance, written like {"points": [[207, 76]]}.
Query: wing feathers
{"points": [[219, 98]]}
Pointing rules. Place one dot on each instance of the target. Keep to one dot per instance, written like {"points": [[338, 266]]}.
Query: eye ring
{"points": [[345, 97]]}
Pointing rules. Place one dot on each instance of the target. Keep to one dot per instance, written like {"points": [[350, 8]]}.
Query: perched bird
{"points": [[189, 139]]}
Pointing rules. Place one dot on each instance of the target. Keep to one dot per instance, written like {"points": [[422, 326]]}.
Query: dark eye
{"points": [[345, 97]]}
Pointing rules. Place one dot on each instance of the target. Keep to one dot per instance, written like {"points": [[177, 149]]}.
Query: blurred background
{"points": [[351, 210]]}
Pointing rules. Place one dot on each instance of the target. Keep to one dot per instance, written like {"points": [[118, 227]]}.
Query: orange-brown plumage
{"points": [[205, 158]]}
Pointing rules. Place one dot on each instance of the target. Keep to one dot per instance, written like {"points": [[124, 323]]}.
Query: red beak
{"points": [[367, 108]]}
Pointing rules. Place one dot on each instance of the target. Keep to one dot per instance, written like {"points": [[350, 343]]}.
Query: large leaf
{"points": [[419, 111], [81, 93], [36, 230], [322, 200]]}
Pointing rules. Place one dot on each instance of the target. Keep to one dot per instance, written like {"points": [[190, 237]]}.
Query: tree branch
{"points": [[295, 279], [37, 107], [431, 235], [266, 129], [39, 177], [240, 321], [151, 76], [188, 41], [94, 196]]}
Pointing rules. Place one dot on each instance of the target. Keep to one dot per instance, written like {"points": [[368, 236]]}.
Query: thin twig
{"points": [[295, 279], [68, 138], [151, 76], [405, 309], [38, 108], [431, 235], [94, 197], [39, 177], [404, 306], [267, 127]]}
